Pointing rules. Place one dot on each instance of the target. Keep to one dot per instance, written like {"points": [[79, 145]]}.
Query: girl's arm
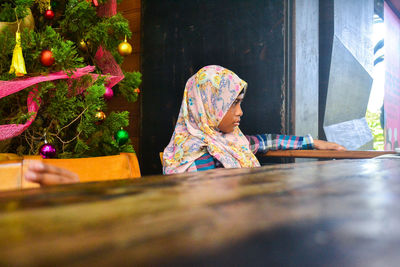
{"points": [[261, 143]]}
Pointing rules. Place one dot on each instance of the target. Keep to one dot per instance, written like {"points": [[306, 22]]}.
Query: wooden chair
{"points": [[10, 170], [122, 166], [161, 157], [9, 156]]}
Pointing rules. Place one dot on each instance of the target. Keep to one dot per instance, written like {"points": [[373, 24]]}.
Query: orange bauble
{"points": [[46, 58]]}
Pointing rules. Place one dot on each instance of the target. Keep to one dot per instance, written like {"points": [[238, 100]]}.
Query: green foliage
{"points": [[131, 81], [10, 10], [7, 43], [82, 23], [67, 114], [373, 120], [64, 51]]}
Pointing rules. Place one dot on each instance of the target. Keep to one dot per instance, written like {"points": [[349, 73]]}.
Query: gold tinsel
{"points": [[18, 62], [43, 5]]}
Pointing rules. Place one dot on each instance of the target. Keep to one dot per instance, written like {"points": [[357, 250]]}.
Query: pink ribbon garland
{"points": [[106, 62], [103, 58], [33, 101], [11, 130], [12, 87], [108, 9]]}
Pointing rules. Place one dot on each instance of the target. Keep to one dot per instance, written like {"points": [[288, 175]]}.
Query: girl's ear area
{"points": [[244, 89]]}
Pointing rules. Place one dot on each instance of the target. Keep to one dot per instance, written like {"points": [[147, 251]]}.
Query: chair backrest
{"points": [[122, 166], [9, 156], [10, 170], [161, 158]]}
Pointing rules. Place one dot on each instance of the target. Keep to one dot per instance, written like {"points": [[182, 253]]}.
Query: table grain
{"points": [[326, 213]]}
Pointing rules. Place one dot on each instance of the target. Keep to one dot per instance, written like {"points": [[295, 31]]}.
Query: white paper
{"points": [[350, 134]]}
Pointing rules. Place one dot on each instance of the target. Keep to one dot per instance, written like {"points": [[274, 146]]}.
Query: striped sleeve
{"points": [[205, 162], [261, 143]]}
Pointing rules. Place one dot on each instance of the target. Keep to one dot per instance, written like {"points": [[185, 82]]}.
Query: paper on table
{"points": [[388, 156], [350, 134]]}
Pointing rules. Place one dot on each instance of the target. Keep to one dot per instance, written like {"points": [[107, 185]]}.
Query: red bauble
{"points": [[46, 58], [108, 94], [49, 14]]}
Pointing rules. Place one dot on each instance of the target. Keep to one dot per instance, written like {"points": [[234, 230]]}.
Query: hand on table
{"points": [[45, 174], [320, 144]]}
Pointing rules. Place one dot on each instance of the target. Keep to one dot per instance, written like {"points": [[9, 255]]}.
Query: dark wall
{"points": [[180, 36]]}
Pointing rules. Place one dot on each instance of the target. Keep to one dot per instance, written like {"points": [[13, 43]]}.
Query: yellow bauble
{"points": [[100, 117], [124, 48], [82, 45]]}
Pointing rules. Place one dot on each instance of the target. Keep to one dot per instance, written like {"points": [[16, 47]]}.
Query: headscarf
{"points": [[207, 97]]}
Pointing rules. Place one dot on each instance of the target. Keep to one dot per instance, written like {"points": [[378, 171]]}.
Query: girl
{"points": [[207, 133]]}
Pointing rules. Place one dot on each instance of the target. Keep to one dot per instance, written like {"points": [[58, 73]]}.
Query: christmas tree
{"points": [[59, 63]]}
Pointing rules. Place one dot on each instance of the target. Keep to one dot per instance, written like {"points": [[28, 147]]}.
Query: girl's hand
{"points": [[45, 174], [320, 144]]}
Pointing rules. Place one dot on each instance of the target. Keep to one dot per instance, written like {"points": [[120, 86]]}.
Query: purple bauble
{"points": [[47, 151], [108, 94]]}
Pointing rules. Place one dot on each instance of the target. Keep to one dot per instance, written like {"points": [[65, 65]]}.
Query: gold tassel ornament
{"points": [[18, 62]]}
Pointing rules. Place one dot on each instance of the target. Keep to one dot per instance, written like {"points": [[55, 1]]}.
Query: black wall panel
{"points": [[180, 36]]}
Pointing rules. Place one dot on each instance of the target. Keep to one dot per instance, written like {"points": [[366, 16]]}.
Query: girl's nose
{"points": [[239, 111]]}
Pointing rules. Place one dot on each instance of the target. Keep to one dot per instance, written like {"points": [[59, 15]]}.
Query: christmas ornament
{"points": [[100, 117], [46, 58], [17, 62], [94, 2], [121, 136], [124, 48], [136, 90], [83, 46], [47, 151], [49, 14], [108, 94]]}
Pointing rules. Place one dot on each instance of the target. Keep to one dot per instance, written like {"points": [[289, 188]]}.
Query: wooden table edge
{"points": [[332, 154]]}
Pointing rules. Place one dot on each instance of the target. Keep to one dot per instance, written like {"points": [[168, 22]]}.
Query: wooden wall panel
{"points": [[130, 9]]}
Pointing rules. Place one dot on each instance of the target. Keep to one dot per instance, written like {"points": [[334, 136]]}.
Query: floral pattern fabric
{"points": [[207, 97]]}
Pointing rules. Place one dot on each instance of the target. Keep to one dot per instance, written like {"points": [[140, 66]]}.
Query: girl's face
{"points": [[232, 116]]}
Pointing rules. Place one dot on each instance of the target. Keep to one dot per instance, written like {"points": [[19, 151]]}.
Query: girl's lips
{"points": [[236, 123]]}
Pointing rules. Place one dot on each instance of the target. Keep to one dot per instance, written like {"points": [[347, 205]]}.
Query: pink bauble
{"points": [[47, 151], [108, 94]]}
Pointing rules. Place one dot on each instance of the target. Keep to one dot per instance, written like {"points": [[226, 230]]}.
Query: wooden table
{"points": [[328, 154], [327, 213]]}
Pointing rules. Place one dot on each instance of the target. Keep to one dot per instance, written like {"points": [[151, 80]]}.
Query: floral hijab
{"points": [[208, 96]]}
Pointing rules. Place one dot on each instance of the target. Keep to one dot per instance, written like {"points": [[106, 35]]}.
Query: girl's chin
{"points": [[231, 130]]}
